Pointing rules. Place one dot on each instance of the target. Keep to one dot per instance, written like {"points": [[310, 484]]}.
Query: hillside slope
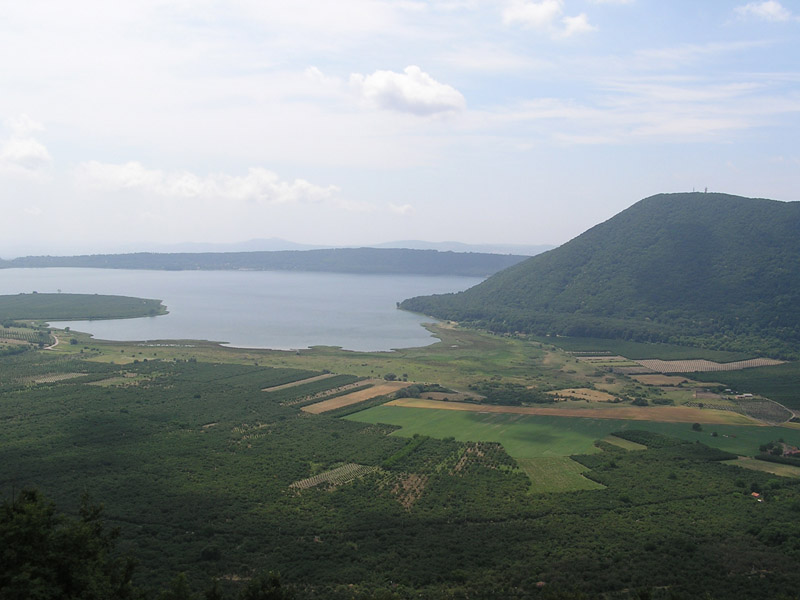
{"points": [[703, 269]]}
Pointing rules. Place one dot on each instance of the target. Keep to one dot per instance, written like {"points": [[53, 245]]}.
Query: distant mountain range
{"points": [[701, 269], [339, 260], [270, 245]]}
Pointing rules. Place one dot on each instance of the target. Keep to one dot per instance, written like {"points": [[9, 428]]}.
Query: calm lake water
{"points": [[252, 309]]}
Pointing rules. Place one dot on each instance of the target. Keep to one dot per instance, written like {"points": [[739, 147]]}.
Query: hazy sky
{"points": [[359, 121]]}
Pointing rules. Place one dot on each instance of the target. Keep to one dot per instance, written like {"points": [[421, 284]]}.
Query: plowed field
{"points": [[379, 389]]}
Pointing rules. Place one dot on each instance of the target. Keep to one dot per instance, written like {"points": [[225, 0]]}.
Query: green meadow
{"points": [[531, 436]]}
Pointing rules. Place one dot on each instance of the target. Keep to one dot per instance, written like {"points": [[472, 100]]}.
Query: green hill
{"points": [[711, 270], [77, 306], [338, 260]]}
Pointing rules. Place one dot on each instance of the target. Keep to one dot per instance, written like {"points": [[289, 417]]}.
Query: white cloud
{"points": [[401, 209], [23, 125], [546, 16], [492, 58], [26, 153], [771, 10], [536, 15], [659, 109], [578, 24], [21, 152], [259, 185], [412, 91]]}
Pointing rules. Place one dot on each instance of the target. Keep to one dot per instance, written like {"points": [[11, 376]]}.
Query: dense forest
{"points": [[712, 270], [339, 260], [38, 306]]}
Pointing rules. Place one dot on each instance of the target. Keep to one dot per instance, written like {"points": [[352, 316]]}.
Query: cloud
{"points": [[546, 16], [23, 125], [21, 152], [658, 109], [536, 15], [401, 209], [578, 24], [259, 185], [771, 10], [412, 91], [26, 153]]}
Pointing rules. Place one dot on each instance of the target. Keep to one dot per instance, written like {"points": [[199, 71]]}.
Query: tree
{"points": [[44, 554], [178, 589], [266, 587]]}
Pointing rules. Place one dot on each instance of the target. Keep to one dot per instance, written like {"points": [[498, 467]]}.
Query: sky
{"points": [[363, 121]]}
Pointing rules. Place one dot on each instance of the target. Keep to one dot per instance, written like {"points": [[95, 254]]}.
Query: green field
{"points": [[531, 436], [641, 350], [765, 467], [556, 474], [780, 382]]}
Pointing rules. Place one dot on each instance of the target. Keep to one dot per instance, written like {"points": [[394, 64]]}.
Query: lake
{"points": [[281, 310]]}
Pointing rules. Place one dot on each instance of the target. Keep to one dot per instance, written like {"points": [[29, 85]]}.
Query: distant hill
{"points": [[40, 248], [77, 306], [523, 249], [713, 270], [339, 260]]}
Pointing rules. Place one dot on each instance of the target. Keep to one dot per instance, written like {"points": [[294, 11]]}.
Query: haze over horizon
{"points": [[487, 122]]}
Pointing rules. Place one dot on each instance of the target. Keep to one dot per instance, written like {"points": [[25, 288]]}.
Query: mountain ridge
{"points": [[701, 269], [335, 260]]}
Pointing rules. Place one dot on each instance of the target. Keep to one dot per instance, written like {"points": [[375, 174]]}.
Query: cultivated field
{"points": [[380, 388], [705, 366], [556, 474], [662, 380], [764, 466], [584, 394], [338, 476], [623, 443], [662, 414], [535, 435], [276, 388]]}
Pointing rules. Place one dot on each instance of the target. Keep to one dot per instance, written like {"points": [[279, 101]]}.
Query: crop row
{"points": [[337, 476], [704, 366], [766, 410]]}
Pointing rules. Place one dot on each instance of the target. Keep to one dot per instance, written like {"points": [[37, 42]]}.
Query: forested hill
{"points": [[713, 270], [340, 260]]}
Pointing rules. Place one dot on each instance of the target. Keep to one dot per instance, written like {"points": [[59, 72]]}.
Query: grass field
{"points": [[623, 443], [765, 467], [556, 474], [529, 436], [638, 350]]}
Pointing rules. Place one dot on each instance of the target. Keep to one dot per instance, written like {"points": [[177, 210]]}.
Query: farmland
{"points": [[217, 469], [665, 414], [526, 436], [377, 388]]}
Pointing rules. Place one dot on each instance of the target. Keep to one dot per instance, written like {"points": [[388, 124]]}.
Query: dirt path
{"points": [[52, 345]]}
